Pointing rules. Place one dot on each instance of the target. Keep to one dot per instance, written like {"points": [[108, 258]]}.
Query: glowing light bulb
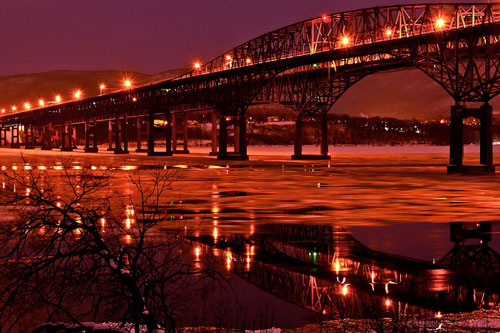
{"points": [[440, 23], [41, 102], [197, 65], [58, 99], [127, 84], [27, 106], [345, 40], [78, 94], [388, 32]]}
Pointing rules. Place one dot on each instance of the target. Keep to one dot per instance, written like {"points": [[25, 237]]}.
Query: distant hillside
{"points": [[403, 95], [15, 90]]}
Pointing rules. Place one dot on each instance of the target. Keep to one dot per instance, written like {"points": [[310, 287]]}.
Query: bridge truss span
{"points": [[307, 67]]}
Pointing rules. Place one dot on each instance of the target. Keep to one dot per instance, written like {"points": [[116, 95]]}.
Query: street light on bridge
{"points": [[440, 23], [27, 106], [13, 108], [58, 99], [345, 40], [101, 88], [3, 110], [41, 102], [78, 94], [197, 65], [127, 84]]}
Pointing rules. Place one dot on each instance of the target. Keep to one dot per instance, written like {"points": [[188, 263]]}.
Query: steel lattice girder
{"points": [[455, 44]]}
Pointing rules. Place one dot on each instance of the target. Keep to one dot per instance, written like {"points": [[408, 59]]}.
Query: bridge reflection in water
{"points": [[325, 269]]}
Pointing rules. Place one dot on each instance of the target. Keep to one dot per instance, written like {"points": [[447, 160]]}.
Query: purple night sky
{"points": [[148, 36]]}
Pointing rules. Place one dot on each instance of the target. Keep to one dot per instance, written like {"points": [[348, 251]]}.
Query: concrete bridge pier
{"points": [[297, 151], [110, 136], [29, 132], [222, 138], [167, 133], [240, 138], [458, 114], [214, 134], [66, 137], [180, 131], [120, 135], [3, 136], [140, 134], [47, 137], [14, 142], [90, 136], [486, 136], [124, 133]]}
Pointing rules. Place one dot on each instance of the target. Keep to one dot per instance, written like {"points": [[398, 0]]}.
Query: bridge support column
{"points": [[67, 137], [125, 133], [324, 135], [486, 136], [214, 134], [3, 136], [90, 137], [298, 155], [222, 138], [110, 136], [29, 132], [14, 142], [297, 149], [167, 133], [120, 130], [73, 136], [458, 114], [183, 131], [47, 137], [240, 139], [151, 134], [140, 133]]}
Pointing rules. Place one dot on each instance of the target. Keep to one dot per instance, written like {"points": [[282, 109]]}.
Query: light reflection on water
{"points": [[400, 211]]}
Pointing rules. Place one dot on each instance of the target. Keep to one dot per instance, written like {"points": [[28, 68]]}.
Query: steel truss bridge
{"points": [[325, 269], [306, 67]]}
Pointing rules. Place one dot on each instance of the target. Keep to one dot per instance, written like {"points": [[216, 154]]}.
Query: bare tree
{"points": [[79, 246]]}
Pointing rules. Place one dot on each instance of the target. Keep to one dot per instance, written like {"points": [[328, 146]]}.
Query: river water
{"points": [[373, 225]]}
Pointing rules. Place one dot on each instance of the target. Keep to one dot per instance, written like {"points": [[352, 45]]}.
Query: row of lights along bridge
{"points": [[440, 22], [127, 84]]}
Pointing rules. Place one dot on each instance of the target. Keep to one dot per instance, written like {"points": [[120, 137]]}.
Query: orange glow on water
{"points": [[229, 259], [216, 234], [345, 289], [336, 265]]}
